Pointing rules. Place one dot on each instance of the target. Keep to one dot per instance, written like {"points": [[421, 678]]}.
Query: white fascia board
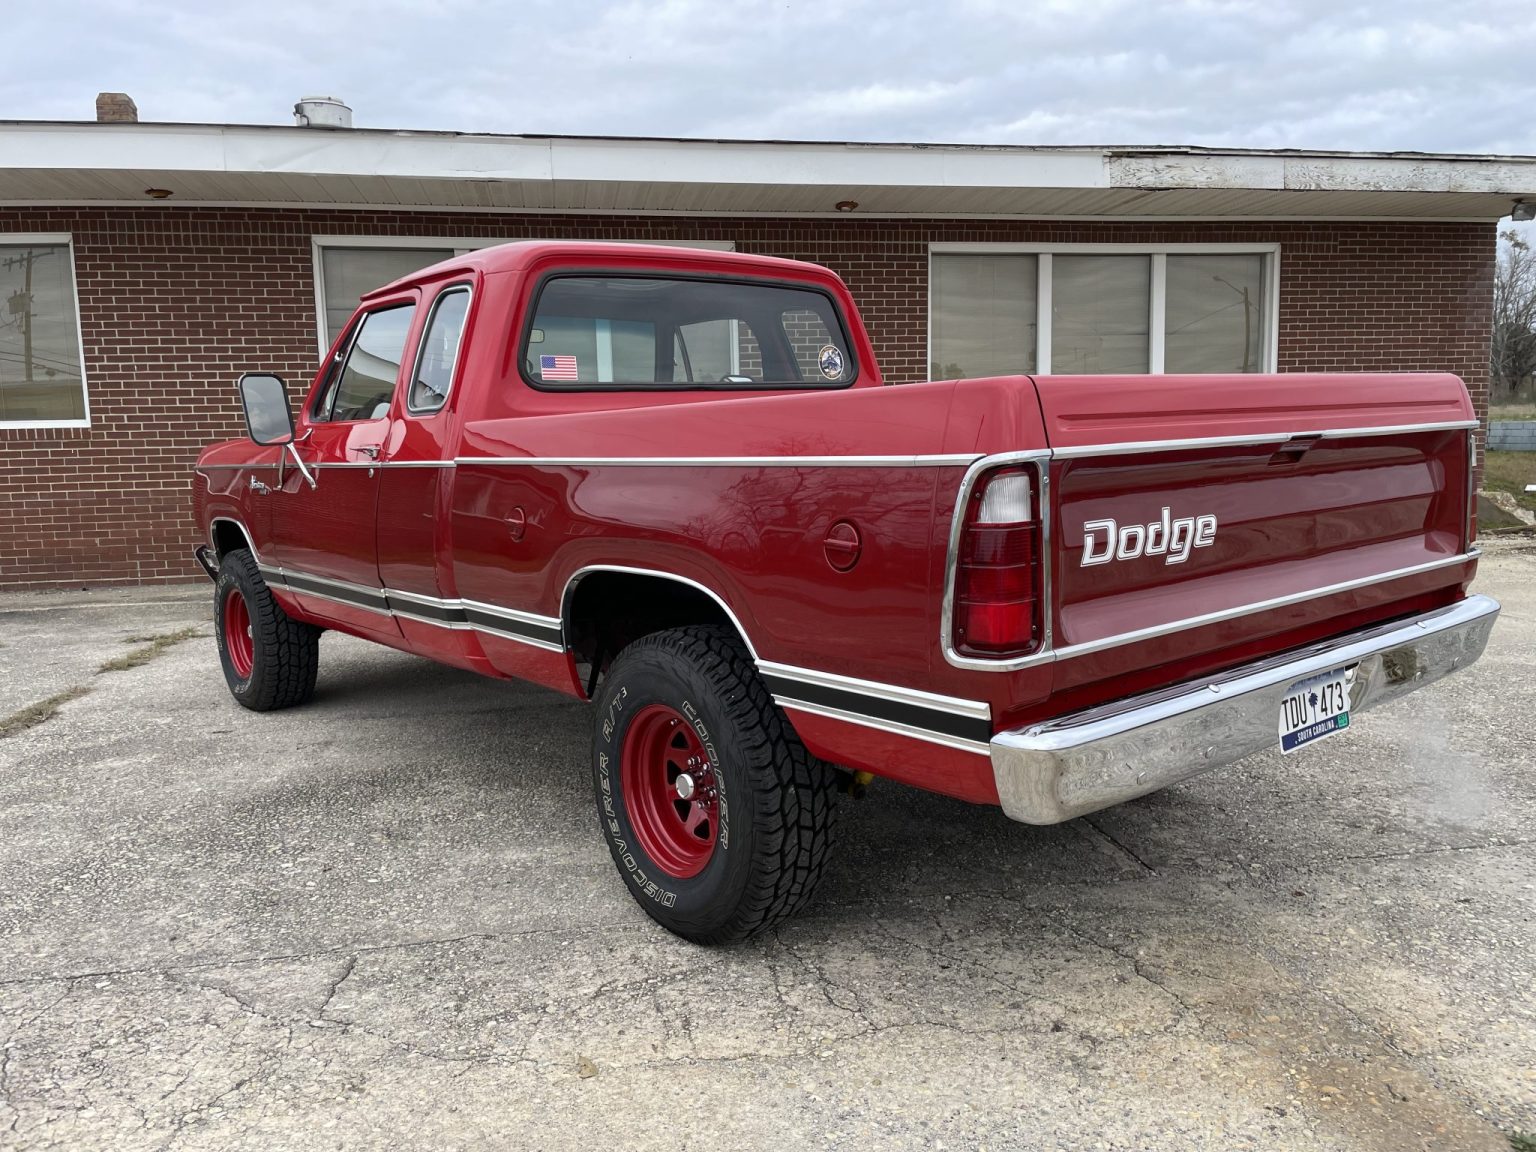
{"points": [[833, 165], [1514, 176], [432, 155], [317, 151], [131, 148]]}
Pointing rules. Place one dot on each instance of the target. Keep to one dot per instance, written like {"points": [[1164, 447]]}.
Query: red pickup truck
{"points": [[671, 482]]}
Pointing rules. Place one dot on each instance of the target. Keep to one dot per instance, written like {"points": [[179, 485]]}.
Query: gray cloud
{"points": [[1418, 74]]}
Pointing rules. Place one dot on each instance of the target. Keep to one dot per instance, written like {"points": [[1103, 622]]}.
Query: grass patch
{"points": [[1513, 412], [1522, 1142], [1511, 472], [148, 650], [34, 714]]}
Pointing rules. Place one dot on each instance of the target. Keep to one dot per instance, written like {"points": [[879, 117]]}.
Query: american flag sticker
{"points": [[557, 368]]}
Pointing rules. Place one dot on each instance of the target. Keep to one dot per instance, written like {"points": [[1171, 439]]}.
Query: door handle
{"points": [[258, 488], [370, 450]]}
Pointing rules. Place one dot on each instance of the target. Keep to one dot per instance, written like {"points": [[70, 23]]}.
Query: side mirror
{"points": [[265, 400]]}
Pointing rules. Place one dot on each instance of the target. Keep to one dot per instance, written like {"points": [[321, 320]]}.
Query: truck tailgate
{"points": [[1199, 520]]}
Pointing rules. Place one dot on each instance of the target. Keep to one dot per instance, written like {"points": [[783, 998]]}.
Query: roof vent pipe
{"points": [[322, 112]]}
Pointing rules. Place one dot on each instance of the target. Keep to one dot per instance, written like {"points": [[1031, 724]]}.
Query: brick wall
{"points": [[175, 302]]}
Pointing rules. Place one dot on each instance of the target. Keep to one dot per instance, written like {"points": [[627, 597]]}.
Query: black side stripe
{"points": [[437, 613], [359, 596], [449, 614], [507, 626], [974, 728]]}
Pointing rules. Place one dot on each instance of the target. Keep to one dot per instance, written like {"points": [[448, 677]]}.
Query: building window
{"points": [[347, 273], [348, 266], [999, 309], [1215, 312], [1101, 314], [42, 374]]}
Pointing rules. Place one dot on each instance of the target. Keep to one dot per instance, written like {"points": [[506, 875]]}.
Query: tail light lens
{"points": [[1471, 530], [997, 609]]}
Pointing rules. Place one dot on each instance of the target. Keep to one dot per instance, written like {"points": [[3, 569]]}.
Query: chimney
{"points": [[116, 108]]}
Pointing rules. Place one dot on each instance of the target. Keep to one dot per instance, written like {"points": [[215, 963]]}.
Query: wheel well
{"points": [[607, 611], [228, 536]]}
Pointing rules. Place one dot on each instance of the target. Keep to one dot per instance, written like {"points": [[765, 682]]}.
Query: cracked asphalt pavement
{"points": [[387, 920]]}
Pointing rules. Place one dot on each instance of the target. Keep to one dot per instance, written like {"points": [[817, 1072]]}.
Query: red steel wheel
{"points": [[237, 634], [670, 792]]}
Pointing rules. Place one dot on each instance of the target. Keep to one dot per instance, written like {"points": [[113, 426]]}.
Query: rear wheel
{"points": [[720, 822], [269, 660]]}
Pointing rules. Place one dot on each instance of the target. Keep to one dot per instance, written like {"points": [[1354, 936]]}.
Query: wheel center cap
{"points": [[684, 786]]}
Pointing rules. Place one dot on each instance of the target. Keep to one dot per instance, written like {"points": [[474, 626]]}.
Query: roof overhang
{"points": [[45, 163]]}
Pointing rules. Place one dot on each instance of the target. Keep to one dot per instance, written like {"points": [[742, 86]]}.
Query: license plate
{"points": [[1314, 708]]}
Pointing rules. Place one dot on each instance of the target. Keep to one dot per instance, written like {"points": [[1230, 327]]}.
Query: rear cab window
{"points": [[640, 331], [437, 358]]}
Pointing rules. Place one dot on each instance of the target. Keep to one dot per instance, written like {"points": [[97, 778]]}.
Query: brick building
{"points": [[144, 266]]}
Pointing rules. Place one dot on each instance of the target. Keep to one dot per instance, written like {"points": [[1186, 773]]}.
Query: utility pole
{"points": [[1247, 320], [20, 304]]}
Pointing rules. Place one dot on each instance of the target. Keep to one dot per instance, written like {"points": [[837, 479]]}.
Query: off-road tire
{"points": [[285, 653], [778, 803]]}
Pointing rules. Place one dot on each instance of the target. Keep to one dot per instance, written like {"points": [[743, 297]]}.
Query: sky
{"points": [[1432, 76], [1425, 75]]}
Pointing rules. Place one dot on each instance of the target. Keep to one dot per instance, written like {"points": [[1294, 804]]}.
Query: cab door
{"points": [[324, 535], [416, 479]]}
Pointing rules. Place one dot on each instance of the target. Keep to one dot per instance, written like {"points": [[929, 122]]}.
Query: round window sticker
{"points": [[831, 360]]}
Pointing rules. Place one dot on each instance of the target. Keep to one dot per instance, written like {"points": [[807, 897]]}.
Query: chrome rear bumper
{"points": [[1051, 772]]}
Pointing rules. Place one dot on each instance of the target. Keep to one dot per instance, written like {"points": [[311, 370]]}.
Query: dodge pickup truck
{"points": [[672, 483]]}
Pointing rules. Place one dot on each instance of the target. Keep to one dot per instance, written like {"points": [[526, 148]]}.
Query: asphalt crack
{"points": [[1124, 848], [330, 994]]}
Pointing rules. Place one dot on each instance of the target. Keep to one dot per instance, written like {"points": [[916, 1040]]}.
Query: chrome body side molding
{"points": [[459, 615], [917, 461], [1194, 443]]}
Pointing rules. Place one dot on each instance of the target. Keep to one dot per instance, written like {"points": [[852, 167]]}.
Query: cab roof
{"points": [[520, 254]]}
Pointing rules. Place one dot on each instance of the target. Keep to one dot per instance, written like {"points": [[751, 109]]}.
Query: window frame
{"points": [[348, 346], [851, 371], [56, 240], [1157, 315], [460, 245], [467, 287]]}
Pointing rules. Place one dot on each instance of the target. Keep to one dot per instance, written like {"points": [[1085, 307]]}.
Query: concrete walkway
{"points": [[386, 920]]}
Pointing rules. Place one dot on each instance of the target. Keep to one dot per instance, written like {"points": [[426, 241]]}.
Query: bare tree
{"points": [[1514, 317]]}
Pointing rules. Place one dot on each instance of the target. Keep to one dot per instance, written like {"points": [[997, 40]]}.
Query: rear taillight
{"points": [[1471, 530], [997, 609]]}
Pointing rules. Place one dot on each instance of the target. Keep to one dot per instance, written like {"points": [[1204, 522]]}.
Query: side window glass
{"points": [[809, 338], [439, 352], [714, 351], [367, 380]]}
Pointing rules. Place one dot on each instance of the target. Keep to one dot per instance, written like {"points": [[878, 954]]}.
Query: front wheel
{"points": [[719, 820], [270, 660]]}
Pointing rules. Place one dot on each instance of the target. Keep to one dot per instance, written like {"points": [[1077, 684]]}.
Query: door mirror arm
{"points": [[298, 463]]}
